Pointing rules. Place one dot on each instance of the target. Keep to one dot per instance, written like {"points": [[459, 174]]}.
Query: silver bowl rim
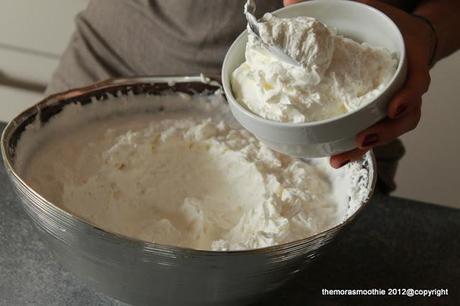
{"points": [[117, 82]]}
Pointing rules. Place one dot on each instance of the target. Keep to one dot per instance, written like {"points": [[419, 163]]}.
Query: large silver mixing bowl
{"points": [[141, 273]]}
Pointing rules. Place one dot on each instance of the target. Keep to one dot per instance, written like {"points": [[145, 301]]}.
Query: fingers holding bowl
{"points": [[289, 2], [409, 97], [384, 131], [404, 111], [389, 129], [340, 160]]}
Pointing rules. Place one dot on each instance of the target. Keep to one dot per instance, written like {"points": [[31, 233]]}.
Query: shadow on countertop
{"points": [[394, 244]]}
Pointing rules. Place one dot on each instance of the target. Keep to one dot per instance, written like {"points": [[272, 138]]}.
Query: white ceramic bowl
{"points": [[336, 135]]}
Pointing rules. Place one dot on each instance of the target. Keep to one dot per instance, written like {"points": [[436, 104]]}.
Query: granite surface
{"points": [[394, 243]]}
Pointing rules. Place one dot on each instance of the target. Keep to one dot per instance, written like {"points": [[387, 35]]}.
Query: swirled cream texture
{"points": [[185, 182], [187, 175], [336, 75]]}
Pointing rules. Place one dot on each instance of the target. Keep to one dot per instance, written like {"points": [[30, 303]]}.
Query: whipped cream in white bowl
{"points": [[355, 63]]}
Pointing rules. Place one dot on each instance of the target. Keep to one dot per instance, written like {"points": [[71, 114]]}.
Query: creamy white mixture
{"points": [[337, 74], [183, 177]]}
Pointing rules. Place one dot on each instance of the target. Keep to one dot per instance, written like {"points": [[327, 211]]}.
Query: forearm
{"points": [[443, 15]]}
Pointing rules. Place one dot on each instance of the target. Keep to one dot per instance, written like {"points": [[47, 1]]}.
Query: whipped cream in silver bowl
{"points": [[148, 190]]}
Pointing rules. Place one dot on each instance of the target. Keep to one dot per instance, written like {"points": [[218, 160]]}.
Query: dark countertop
{"points": [[394, 243]]}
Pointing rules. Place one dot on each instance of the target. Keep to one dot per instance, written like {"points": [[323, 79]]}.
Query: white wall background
{"points": [[34, 33], [431, 169]]}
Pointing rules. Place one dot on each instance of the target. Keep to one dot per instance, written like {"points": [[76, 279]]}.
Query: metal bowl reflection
{"points": [[141, 273]]}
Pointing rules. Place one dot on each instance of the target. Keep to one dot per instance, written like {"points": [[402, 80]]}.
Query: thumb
{"points": [[289, 2]]}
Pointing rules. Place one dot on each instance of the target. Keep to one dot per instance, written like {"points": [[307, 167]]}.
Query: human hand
{"points": [[289, 2], [404, 110]]}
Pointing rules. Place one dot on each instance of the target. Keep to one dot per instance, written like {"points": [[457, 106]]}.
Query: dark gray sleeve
{"points": [[79, 66], [150, 37], [91, 55]]}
